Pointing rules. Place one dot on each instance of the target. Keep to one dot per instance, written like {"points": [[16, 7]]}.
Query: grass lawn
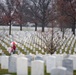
{"points": [[4, 71]]}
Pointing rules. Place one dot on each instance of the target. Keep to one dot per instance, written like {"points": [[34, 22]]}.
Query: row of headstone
{"points": [[19, 63], [31, 47]]}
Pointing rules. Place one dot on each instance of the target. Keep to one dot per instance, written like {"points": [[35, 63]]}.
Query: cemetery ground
{"points": [[26, 46], [5, 71]]}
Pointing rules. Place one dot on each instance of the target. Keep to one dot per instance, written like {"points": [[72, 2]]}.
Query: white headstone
{"points": [[9, 49], [33, 49], [22, 66], [50, 63], [66, 49], [38, 57], [45, 57], [69, 51], [21, 55], [4, 62], [58, 71], [12, 63], [37, 67], [27, 52], [59, 58], [18, 51], [66, 55], [0, 51], [23, 47], [61, 51], [75, 49], [30, 59], [74, 61], [36, 52], [68, 63]]}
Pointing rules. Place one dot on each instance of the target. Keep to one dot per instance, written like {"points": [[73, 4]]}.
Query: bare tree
{"points": [[13, 13], [7, 13], [68, 8], [46, 41], [19, 5], [42, 11]]}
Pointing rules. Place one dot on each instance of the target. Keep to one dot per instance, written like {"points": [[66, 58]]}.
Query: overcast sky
{"points": [[2, 1]]}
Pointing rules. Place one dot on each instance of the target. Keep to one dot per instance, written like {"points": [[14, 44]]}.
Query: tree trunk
{"points": [[63, 33], [35, 26], [43, 26], [61, 28], [43, 21], [20, 20], [73, 28], [52, 47], [20, 27], [10, 28]]}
